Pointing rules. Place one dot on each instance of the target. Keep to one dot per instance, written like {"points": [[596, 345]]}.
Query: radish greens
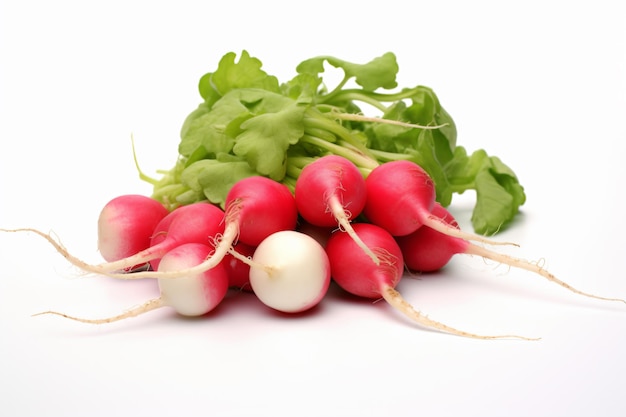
{"points": [[249, 123]]}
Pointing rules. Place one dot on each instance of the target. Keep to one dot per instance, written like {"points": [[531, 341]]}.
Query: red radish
{"points": [[256, 207], [193, 295], [353, 271], [125, 225], [330, 191], [427, 250], [289, 272], [238, 271], [193, 223], [400, 197]]}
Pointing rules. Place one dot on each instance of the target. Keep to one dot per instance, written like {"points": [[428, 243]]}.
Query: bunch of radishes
{"points": [[361, 232]]}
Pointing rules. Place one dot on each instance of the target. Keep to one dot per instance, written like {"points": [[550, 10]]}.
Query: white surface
{"points": [[540, 84]]}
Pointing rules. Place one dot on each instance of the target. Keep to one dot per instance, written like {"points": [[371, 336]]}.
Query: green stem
{"points": [[356, 157], [371, 97], [292, 170], [299, 162], [353, 117], [321, 133], [337, 90], [316, 120], [389, 156], [290, 182], [169, 193], [142, 175]]}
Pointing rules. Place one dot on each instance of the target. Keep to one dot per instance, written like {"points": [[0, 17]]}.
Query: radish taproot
{"points": [[428, 250], [289, 271], [353, 271], [400, 197], [331, 191], [193, 295]]}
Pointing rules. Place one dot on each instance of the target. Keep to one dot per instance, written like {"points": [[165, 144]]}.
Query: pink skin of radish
{"points": [[353, 271], [198, 222], [191, 296], [289, 271], [256, 207], [400, 197], [125, 225], [427, 250], [331, 191]]}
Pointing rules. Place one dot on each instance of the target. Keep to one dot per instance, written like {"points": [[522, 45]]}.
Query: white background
{"points": [[540, 84]]}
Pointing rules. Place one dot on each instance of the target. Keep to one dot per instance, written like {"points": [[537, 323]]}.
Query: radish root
{"points": [[394, 298], [57, 245], [441, 226], [339, 212], [144, 308], [529, 266]]}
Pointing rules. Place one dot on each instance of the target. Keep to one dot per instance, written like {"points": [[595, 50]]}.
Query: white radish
{"points": [[290, 271]]}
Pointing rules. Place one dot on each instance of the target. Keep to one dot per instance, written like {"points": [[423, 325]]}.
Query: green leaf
{"points": [[248, 124], [209, 130], [426, 157], [498, 197], [493, 205], [378, 73], [231, 75], [266, 138], [216, 177], [424, 110], [201, 110], [302, 88]]}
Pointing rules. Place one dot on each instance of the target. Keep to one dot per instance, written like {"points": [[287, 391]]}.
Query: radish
{"points": [[198, 222], [193, 295], [290, 271], [256, 207], [330, 191], [427, 250], [353, 271], [125, 225], [400, 197]]}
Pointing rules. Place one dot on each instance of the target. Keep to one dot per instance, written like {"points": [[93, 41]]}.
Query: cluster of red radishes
{"points": [[361, 232]]}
